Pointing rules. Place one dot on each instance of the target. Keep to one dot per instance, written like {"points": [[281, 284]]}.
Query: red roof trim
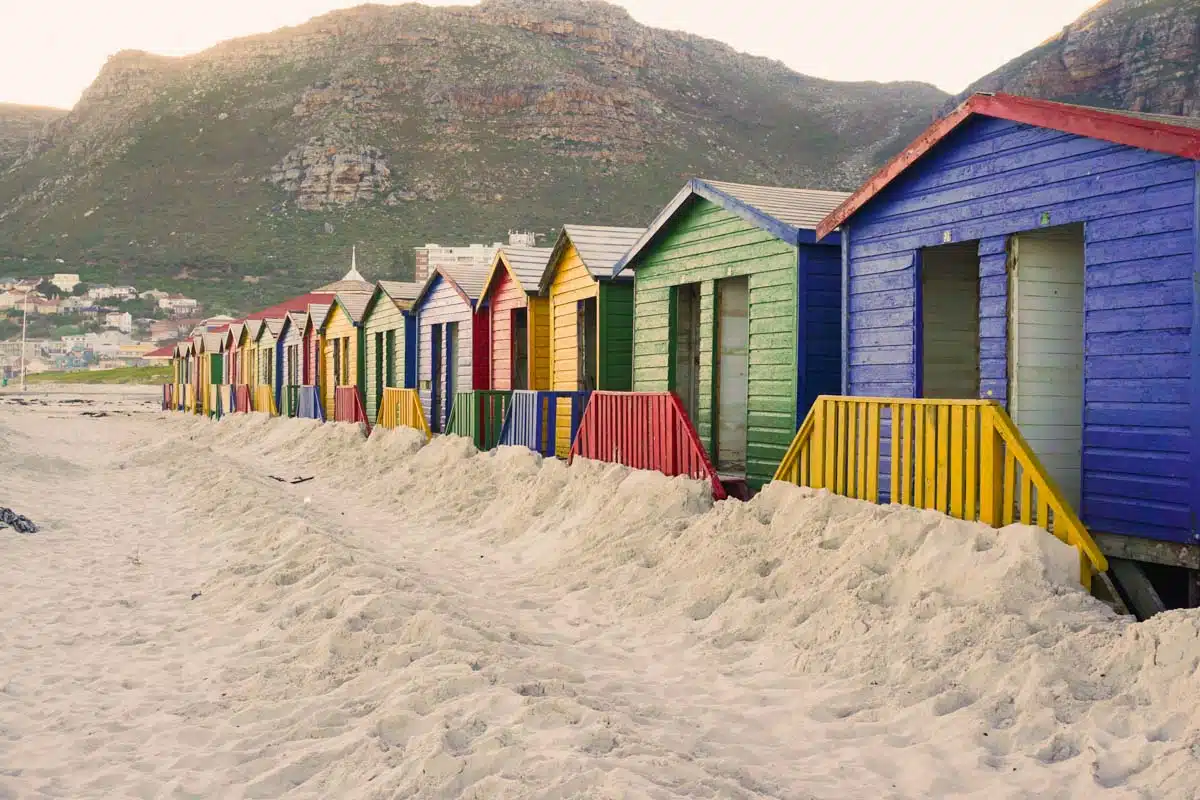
{"points": [[1095, 123]]}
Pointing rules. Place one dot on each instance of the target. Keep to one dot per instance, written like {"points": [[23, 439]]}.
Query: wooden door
{"points": [[686, 347], [1045, 389], [435, 374], [519, 373], [586, 332], [733, 363]]}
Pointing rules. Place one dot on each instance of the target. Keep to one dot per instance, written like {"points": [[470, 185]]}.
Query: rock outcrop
{"points": [[1142, 55], [21, 126]]}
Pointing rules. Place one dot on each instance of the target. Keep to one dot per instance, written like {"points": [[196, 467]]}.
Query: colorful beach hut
{"points": [[737, 310], [343, 356], [518, 319], [591, 315], [290, 355], [1043, 256], [264, 367], [450, 337], [390, 341]]}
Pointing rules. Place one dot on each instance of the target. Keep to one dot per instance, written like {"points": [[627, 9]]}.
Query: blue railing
{"points": [[309, 402], [532, 419]]}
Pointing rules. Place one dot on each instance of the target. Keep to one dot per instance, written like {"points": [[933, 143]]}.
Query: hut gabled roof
{"points": [[525, 264], [792, 215], [466, 279], [1158, 133], [599, 247], [353, 304], [253, 328]]}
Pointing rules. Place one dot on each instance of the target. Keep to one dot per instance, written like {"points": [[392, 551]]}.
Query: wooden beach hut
{"points": [[518, 320], [265, 398], [290, 355], [450, 335], [1041, 256], [737, 309], [591, 315], [233, 341], [343, 356], [390, 341]]}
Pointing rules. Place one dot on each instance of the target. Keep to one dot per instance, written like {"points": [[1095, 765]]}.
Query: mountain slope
{"points": [[20, 126], [388, 127], [1141, 55]]}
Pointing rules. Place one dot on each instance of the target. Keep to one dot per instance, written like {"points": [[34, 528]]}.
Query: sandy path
{"points": [[434, 623]]}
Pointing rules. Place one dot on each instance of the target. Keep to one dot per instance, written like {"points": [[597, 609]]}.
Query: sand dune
{"points": [[430, 622]]}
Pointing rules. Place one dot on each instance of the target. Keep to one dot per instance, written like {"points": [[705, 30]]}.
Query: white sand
{"points": [[438, 623]]}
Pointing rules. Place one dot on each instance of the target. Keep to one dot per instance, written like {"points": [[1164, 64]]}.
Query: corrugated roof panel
{"points": [[601, 247], [801, 208], [528, 264]]}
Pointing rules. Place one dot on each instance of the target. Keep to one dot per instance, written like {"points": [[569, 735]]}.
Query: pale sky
{"points": [[50, 50]]}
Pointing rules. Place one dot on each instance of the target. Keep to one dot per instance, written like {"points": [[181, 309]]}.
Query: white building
{"points": [[155, 294], [112, 293], [121, 320], [179, 305], [65, 281]]}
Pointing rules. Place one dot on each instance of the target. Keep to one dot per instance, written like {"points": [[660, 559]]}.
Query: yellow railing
{"points": [[402, 407], [264, 400], [964, 458], [189, 398]]}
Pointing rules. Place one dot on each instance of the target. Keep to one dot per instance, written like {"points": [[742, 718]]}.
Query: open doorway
{"points": [[950, 321], [585, 336], [1045, 349], [435, 378], [732, 374], [519, 374], [451, 378], [687, 347], [379, 374]]}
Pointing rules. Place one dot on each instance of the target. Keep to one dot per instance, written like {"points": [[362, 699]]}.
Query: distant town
{"points": [[72, 325]]}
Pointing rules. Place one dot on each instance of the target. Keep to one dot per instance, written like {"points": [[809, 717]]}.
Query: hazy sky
{"points": [[51, 49]]}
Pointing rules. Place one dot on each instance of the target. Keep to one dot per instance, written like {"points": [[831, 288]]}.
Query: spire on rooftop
{"points": [[354, 274]]}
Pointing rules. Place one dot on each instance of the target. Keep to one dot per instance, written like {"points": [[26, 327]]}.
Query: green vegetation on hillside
{"points": [[158, 373]]}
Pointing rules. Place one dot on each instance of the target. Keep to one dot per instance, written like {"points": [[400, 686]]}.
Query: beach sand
{"points": [[430, 622]]}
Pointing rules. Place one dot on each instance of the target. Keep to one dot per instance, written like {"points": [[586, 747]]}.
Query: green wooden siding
{"points": [[702, 245], [382, 317], [615, 337]]}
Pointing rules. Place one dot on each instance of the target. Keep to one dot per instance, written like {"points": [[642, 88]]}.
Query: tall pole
{"points": [[24, 323]]}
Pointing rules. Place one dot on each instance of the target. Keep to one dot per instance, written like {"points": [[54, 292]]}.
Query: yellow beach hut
{"points": [[343, 357], [591, 315]]}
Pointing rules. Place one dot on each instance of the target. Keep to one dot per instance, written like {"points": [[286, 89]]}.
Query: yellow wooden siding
{"points": [[539, 345], [339, 326], [572, 283]]}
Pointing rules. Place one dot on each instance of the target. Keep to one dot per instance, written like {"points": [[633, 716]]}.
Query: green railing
{"points": [[479, 416]]}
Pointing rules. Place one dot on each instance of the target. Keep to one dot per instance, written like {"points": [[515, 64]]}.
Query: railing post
{"points": [[817, 468], [991, 468]]}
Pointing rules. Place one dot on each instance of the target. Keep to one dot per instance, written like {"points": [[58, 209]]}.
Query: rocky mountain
{"points": [[20, 126], [264, 158], [1141, 55]]}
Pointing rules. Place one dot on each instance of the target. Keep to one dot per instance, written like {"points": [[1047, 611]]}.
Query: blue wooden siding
{"points": [[993, 178], [443, 304], [820, 365]]}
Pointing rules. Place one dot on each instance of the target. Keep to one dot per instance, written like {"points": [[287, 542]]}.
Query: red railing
{"points": [[644, 430], [348, 406], [241, 397]]}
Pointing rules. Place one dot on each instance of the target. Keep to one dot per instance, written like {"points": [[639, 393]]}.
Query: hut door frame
{"points": [[1051, 358], [378, 366], [451, 365], [685, 347], [519, 345], [740, 388], [587, 334], [435, 375]]}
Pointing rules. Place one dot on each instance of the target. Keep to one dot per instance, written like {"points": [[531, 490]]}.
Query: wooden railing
{"points": [[402, 408], [241, 398], [532, 419], [964, 458], [644, 430], [479, 416], [189, 398], [291, 401], [224, 399], [347, 405], [264, 400], [308, 403]]}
